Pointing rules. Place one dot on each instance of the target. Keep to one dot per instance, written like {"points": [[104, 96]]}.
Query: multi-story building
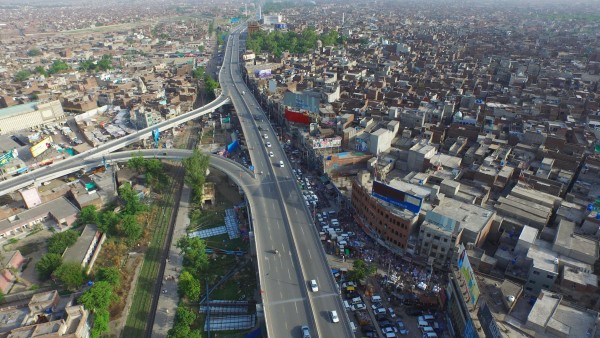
{"points": [[382, 220], [448, 224]]}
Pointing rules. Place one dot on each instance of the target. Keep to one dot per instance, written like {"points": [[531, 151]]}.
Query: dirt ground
{"points": [[134, 263], [227, 193]]}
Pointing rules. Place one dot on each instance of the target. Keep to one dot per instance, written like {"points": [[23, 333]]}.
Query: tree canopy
{"points": [[194, 253], [58, 66], [98, 297], [60, 241], [22, 75], [189, 286], [277, 42], [71, 275], [195, 172], [152, 168], [110, 274], [101, 319], [34, 52], [47, 264], [361, 270], [89, 215], [131, 201], [130, 228]]}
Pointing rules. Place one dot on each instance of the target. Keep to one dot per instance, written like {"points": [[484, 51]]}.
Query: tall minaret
{"points": [[245, 9], [343, 17], [259, 12]]}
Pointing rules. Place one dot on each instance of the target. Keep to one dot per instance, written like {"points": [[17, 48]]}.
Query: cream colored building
{"points": [[29, 115]]}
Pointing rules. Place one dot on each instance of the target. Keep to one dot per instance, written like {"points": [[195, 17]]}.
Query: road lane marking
{"points": [[286, 301], [289, 274]]}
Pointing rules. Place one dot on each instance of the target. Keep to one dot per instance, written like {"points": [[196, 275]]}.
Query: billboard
{"points": [[396, 197], [296, 116], [4, 159], [320, 143], [39, 148], [280, 26], [488, 323], [468, 277], [263, 73]]}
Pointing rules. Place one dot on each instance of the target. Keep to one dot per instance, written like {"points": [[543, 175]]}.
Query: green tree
{"points": [[361, 270], [179, 331], [34, 52], [185, 316], [131, 201], [47, 264], [108, 222], [152, 168], [189, 286], [198, 73], [60, 241], [58, 66], [211, 27], [98, 297], [130, 228], [71, 275], [101, 319], [195, 172], [194, 253], [105, 62], [89, 215], [22, 75], [110, 274], [201, 48], [87, 65], [41, 70], [1, 296]]}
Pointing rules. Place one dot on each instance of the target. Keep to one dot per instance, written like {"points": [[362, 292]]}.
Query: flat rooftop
{"points": [[470, 217], [543, 308], [566, 238], [18, 109], [543, 258]]}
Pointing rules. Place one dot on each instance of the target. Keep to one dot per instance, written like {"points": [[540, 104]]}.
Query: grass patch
{"points": [[34, 231], [135, 325], [29, 248]]}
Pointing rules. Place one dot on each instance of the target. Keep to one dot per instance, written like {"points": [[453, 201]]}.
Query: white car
{"points": [[313, 285], [268, 144], [271, 154], [266, 136], [334, 316], [281, 164], [305, 332]]}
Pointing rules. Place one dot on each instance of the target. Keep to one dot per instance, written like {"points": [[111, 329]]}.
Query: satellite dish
{"points": [[510, 298]]}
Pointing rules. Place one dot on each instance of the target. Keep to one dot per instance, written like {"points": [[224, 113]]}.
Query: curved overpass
{"points": [[75, 163]]}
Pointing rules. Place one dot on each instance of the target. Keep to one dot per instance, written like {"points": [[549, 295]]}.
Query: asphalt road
{"points": [[282, 221]]}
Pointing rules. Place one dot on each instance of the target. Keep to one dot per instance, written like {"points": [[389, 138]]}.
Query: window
{"points": [[445, 240], [550, 276], [546, 286], [428, 235], [531, 281], [434, 247], [528, 289], [436, 237], [536, 272]]}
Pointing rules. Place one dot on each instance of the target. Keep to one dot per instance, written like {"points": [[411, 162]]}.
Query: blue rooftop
{"points": [[18, 109]]}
